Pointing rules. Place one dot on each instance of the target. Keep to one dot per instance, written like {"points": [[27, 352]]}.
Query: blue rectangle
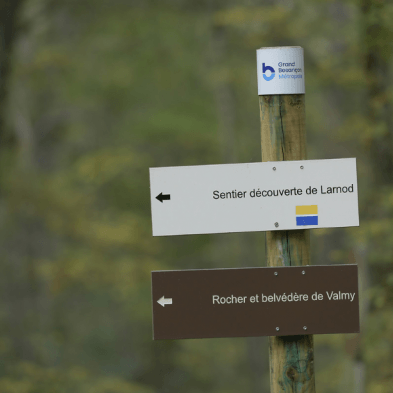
{"points": [[307, 220]]}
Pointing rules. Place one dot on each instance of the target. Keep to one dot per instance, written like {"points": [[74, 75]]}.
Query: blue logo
{"points": [[268, 68]]}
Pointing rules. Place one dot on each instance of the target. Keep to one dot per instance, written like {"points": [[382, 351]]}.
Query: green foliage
{"points": [[97, 95], [31, 378]]}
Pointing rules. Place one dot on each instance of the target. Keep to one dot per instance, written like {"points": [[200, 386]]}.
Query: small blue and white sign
{"points": [[280, 70]]}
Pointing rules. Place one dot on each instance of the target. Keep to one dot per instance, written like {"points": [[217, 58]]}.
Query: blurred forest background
{"points": [[92, 94]]}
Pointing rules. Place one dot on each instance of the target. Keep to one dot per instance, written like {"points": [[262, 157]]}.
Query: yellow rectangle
{"points": [[307, 209]]}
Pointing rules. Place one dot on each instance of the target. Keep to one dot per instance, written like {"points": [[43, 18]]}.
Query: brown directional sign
{"points": [[249, 302]]}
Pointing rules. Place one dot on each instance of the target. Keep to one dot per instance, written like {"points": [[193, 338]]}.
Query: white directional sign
{"points": [[263, 196]]}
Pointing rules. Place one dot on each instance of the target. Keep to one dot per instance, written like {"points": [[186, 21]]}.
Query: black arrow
{"points": [[165, 197]]}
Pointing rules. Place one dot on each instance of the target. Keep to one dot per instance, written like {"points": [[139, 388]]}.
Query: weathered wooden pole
{"points": [[283, 138]]}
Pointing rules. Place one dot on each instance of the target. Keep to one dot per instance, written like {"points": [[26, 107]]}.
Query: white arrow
{"points": [[164, 301]]}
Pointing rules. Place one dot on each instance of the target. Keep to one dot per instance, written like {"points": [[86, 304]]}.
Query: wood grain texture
{"points": [[283, 138], [292, 364]]}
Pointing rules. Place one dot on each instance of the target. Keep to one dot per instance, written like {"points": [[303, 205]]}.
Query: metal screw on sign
{"points": [[277, 328], [275, 273], [274, 168], [301, 167], [303, 272], [304, 327], [276, 224]]}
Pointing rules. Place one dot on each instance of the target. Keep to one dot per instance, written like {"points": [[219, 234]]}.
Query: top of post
{"points": [[279, 47], [280, 70]]}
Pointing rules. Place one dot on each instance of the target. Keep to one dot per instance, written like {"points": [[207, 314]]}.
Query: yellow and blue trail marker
{"points": [[307, 215]]}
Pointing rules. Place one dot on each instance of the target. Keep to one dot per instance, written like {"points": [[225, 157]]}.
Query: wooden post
{"points": [[283, 139]]}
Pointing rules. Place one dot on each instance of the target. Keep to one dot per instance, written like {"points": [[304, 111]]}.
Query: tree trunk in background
{"points": [[377, 46], [353, 344], [224, 95], [12, 270], [9, 11], [377, 59]]}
